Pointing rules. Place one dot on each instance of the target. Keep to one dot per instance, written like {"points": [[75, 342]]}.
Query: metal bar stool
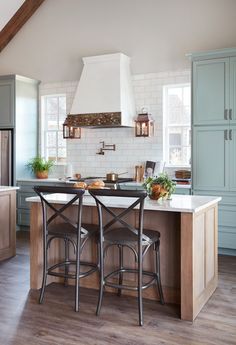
{"points": [[138, 240], [72, 233]]}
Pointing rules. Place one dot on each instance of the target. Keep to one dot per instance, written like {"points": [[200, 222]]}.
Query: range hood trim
{"points": [[96, 120]]}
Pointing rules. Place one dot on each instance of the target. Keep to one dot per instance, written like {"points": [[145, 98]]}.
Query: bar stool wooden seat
{"points": [[138, 240], [73, 234]]}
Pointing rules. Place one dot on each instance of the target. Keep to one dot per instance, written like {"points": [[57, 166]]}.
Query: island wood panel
{"points": [[188, 255], [199, 267], [7, 224]]}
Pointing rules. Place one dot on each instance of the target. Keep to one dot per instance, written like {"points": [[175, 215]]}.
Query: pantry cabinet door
{"points": [[7, 107], [211, 92], [232, 158], [210, 158], [232, 114]]}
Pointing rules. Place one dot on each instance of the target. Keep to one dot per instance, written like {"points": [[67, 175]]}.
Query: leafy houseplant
{"points": [[40, 166], [159, 187]]}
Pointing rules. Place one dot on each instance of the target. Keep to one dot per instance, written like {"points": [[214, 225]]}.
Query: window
{"points": [[177, 125], [53, 116]]}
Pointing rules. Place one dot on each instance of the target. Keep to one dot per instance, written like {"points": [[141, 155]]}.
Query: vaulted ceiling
{"points": [[14, 14]]}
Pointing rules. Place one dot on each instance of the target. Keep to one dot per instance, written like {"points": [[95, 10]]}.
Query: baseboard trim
{"points": [[227, 251]]}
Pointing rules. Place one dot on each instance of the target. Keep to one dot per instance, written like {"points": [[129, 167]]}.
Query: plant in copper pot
{"points": [[159, 187], [40, 166]]}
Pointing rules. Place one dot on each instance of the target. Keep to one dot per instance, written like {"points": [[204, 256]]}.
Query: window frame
{"points": [[166, 126], [44, 130]]}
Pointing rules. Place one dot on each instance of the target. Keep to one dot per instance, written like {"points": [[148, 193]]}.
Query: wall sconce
{"points": [[144, 125], [71, 132]]}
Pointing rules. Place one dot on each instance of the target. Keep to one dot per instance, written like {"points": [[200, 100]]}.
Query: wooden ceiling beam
{"points": [[17, 21]]}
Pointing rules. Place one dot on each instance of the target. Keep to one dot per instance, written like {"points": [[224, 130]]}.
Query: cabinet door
{"points": [[211, 91], [7, 103], [232, 158], [233, 90], [210, 158], [8, 224]]}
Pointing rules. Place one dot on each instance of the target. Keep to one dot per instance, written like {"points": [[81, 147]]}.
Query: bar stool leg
{"points": [[77, 273], [66, 261], [101, 276], [45, 264], [158, 272], [140, 283], [120, 267]]}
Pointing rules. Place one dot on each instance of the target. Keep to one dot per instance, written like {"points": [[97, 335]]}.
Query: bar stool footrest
{"points": [[127, 287], [71, 275]]}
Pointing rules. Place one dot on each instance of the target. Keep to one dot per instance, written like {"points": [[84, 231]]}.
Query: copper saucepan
{"points": [[112, 177]]}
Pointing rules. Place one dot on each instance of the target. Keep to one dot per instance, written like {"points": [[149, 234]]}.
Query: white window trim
{"points": [[165, 137], [42, 125]]}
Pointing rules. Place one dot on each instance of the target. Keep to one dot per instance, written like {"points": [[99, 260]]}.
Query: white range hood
{"points": [[104, 96]]}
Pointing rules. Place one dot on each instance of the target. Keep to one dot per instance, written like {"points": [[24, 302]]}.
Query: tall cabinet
{"points": [[214, 136], [19, 115]]}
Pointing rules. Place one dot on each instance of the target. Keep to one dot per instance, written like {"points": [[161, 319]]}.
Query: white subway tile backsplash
{"points": [[130, 151]]}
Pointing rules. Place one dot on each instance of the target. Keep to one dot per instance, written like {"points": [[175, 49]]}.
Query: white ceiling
{"points": [[7, 10], [156, 34]]}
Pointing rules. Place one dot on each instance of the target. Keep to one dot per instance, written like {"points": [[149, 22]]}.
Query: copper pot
{"points": [[112, 177]]}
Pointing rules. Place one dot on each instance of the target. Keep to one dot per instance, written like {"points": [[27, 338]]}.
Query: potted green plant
{"points": [[40, 166], [160, 186]]}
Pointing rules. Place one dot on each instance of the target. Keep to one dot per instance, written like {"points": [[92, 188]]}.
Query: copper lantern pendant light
{"points": [[144, 125]]}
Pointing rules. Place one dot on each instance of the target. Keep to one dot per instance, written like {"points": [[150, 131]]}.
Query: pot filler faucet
{"points": [[106, 147]]}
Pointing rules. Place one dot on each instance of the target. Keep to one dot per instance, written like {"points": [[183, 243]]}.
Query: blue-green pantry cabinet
{"points": [[7, 103], [214, 136]]}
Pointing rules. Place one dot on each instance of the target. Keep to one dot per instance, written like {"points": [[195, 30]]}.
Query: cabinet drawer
{"points": [[21, 203], [26, 189], [183, 191], [227, 216], [227, 240], [23, 217], [227, 198]]}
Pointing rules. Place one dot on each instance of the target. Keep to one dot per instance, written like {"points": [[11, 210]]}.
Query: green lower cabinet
{"points": [[26, 191], [226, 219]]}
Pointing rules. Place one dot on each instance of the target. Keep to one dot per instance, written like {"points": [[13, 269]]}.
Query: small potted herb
{"points": [[40, 166], [159, 187]]}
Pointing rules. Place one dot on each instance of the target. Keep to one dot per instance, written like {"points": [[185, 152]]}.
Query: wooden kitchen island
{"points": [[188, 227]]}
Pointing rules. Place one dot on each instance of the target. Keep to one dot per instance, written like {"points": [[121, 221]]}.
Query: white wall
{"points": [[130, 151], [156, 34]]}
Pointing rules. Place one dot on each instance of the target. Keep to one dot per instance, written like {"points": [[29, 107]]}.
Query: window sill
{"points": [[178, 166]]}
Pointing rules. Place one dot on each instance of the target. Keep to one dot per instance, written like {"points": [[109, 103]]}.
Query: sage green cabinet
{"points": [[211, 91], [232, 115], [19, 113], [214, 135], [7, 109], [232, 159], [210, 158]]}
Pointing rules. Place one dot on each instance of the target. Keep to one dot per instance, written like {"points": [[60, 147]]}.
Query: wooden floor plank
{"points": [[24, 322]]}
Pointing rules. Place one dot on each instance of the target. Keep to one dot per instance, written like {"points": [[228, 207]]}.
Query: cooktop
{"points": [[120, 180]]}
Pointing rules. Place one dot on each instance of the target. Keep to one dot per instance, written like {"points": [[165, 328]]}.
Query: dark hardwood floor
{"points": [[24, 322]]}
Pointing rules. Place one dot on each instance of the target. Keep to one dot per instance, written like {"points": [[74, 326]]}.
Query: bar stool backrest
{"points": [[139, 198], [77, 195]]}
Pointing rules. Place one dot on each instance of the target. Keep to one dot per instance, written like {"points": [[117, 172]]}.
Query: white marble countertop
{"points": [[7, 188], [61, 180], [178, 203]]}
